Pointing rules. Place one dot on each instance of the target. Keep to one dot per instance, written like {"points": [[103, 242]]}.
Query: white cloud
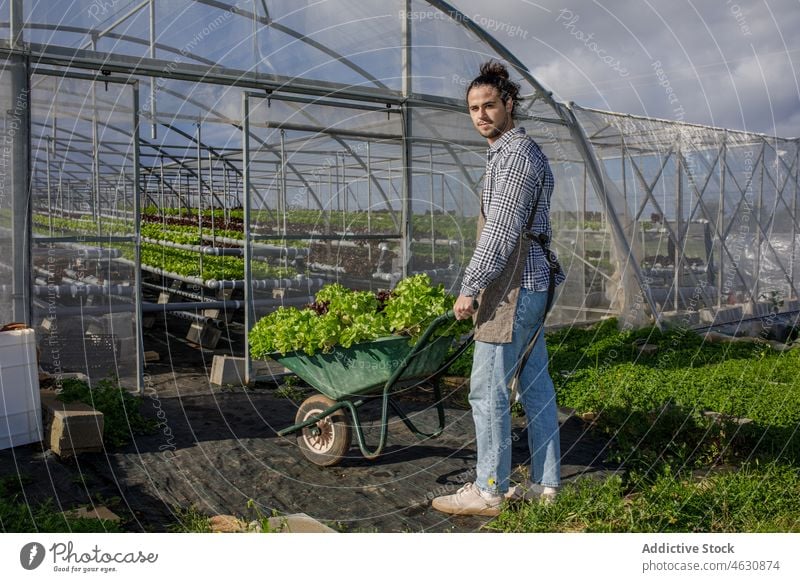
{"points": [[731, 64]]}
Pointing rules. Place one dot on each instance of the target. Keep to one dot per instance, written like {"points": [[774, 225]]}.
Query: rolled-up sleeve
{"points": [[516, 185]]}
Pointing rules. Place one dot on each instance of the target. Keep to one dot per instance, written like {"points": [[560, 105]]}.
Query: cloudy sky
{"points": [[724, 63]]}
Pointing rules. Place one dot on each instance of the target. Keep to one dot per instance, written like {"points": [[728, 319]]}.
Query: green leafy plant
{"points": [[341, 317], [190, 520], [122, 418]]}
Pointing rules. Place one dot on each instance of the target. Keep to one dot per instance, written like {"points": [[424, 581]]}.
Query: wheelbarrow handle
{"points": [[452, 315], [422, 342]]}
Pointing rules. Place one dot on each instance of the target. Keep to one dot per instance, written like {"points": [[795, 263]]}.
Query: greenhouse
{"points": [[151, 165], [252, 174], [181, 178]]}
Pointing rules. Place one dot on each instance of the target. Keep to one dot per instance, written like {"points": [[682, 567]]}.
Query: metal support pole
{"points": [[582, 220], [212, 197], [282, 195], [225, 194], [50, 209], [18, 134], [282, 189], [199, 193], [369, 200], [757, 268], [249, 313], [137, 222], [153, 124], [345, 197], [433, 226], [408, 173], [721, 219], [330, 203], [338, 186], [441, 189], [679, 242], [95, 157], [794, 212]]}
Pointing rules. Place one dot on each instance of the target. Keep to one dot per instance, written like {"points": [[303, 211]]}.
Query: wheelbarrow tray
{"points": [[365, 367]]}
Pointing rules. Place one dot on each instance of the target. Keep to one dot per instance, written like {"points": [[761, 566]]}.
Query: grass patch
{"points": [[122, 417], [190, 520], [656, 407], [751, 499], [689, 408], [18, 516]]}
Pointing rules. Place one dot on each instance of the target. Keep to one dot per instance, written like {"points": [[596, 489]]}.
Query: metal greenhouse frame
{"points": [[214, 160]]}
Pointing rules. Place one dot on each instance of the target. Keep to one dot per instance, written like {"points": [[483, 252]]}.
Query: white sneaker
{"points": [[531, 491], [469, 500]]}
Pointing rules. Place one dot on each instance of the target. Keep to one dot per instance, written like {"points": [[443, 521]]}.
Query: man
{"points": [[510, 276]]}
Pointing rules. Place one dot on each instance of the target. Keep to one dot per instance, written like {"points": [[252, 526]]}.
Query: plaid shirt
{"points": [[516, 173]]}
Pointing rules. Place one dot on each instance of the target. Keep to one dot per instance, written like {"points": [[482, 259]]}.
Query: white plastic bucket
{"points": [[20, 407]]}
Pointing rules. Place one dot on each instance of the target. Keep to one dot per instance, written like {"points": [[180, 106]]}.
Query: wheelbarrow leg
{"points": [[386, 402], [437, 395], [353, 408]]}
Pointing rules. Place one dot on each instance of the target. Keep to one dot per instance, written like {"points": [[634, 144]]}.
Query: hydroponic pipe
{"points": [[231, 304], [76, 290], [74, 250], [238, 251], [262, 250]]}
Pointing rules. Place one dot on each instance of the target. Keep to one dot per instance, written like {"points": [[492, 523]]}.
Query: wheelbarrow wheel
{"points": [[326, 442]]}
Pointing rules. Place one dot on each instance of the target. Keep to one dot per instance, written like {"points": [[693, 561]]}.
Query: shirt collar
{"points": [[504, 139]]}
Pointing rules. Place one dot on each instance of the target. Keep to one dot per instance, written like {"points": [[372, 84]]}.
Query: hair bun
{"points": [[494, 69]]}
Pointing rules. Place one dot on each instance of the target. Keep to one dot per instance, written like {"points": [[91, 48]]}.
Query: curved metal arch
{"points": [[462, 19], [266, 21], [117, 36], [269, 22]]}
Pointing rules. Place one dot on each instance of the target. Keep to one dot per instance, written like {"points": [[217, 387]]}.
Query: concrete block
{"points": [[166, 296], [222, 314], [70, 428], [707, 315], [204, 335], [230, 370], [298, 523], [227, 370], [98, 512]]}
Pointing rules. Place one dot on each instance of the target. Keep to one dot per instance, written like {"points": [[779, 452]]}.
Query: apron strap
{"points": [[543, 241]]}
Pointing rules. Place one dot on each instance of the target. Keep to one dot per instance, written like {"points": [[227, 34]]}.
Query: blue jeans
{"points": [[493, 368]]}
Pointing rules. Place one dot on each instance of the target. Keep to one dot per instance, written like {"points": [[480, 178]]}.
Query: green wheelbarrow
{"points": [[348, 377]]}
